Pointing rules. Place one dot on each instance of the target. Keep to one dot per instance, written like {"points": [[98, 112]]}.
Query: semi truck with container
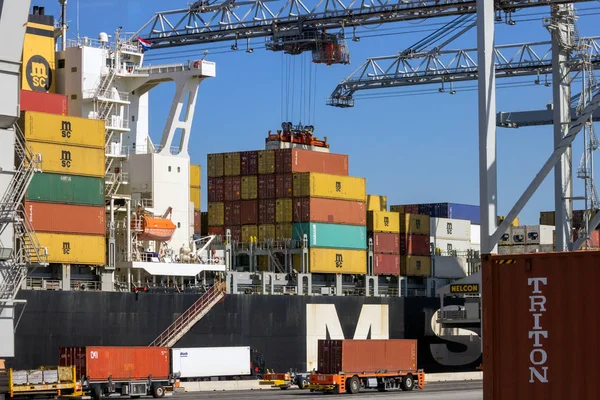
{"points": [[353, 365]]}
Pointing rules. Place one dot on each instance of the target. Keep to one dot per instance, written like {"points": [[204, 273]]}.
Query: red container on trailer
{"points": [[98, 363], [48, 103]]}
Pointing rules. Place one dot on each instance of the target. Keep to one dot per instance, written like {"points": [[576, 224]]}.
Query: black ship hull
{"points": [[285, 329]]}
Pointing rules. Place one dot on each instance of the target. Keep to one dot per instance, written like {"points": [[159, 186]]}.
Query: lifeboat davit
{"points": [[159, 229]]}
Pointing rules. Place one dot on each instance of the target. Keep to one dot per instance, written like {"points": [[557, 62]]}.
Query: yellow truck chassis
{"points": [[66, 385]]}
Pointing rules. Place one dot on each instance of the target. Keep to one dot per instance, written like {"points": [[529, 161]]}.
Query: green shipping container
{"points": [[335, 236], [66, 189]]}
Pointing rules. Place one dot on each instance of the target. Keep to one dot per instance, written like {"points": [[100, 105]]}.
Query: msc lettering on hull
{"points": [[538, 356]]}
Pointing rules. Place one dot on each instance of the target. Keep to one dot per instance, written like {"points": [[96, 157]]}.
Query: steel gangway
{"points": [[191, 316]]}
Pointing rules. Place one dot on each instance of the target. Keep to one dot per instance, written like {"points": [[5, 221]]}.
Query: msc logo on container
{"points": [[449, 228], [470, 288], [66, 129], [39, 74], [339, 261], [65, 159], [338, 186], [386, 221], [66, 248]]}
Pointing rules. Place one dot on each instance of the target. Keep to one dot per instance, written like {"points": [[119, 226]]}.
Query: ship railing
{"points": [[89, 42], [168, 68], [85, 285], [116, 95], [32, 283], [116, 150]]}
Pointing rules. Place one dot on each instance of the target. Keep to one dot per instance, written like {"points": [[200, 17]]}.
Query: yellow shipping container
{"points": [[284, 231], [383, 221], [515, 222], [547, 218], [262, 263], [60, 129], [70, 160], [415, 266], [232, 164], [330, 186], [195, 197], [215, 165], [414, 224], [74, 249], [195, 175], [337, 261], [266, 232], [376, 203], [266, 162], [38, 73], [216, 214], [249, 232], [249, 187], [283, 210], [398, 209]]}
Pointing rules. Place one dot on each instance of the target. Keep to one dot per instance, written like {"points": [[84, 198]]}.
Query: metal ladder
{"points": [[190, 317], [104, 106]]}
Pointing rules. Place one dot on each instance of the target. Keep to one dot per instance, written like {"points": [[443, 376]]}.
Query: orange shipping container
{"points": [[315, 209], [65, 218], [539, 332]]}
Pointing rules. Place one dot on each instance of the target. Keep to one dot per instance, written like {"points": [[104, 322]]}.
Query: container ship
{"points": [[291, 250]]}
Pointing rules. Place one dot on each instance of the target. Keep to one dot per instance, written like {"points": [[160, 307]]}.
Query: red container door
{"points": [[232, 213], [249, 163], [301, 209], [216, 230], [69, 356], [266, 187], [386, 264], [215, 189], [233, 188], [266, 211], [283, 185], [386, 243], [249, 212]]}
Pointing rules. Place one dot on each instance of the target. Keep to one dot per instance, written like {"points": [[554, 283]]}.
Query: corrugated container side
{"points": [[535, 326], [64, 218], [266, 162], [376, 203], [334, 236], [49, 103], [249, 163], [414, 224], [266, 232], [231, 164], [216, 214], [195, 175], [63, 130], [284, 231], [283, 210], [415, 266], [385, 242], [539, 234], [216, 230], [337, 261], [249, 187], [197, 222], [74, 249], [518, 236], [386, 264], [297, 160], [414, 245], [284, 185], [215, 165], [216, 189], [66, 189], [451, 229], [204, 223], [330, 186], [383, 221], [266, 187], [249, 212], [71, 160], [195, 197], [236, 232], [232, 188], [406, 208], [249, 232], [366, 356], [266, 211], [314, 209], [232, 213]]}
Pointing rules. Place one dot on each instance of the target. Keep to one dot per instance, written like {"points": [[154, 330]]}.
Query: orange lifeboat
{"points": [[160, 229]]}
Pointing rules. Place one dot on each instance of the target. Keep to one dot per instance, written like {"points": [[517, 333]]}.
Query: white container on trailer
{"points": [[203, 362]]}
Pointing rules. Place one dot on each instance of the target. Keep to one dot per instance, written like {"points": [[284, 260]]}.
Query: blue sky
{"points": [[414, 149]]}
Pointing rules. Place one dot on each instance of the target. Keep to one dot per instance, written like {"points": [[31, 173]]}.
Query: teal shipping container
{"points": [[66, 189], [333, 236]]}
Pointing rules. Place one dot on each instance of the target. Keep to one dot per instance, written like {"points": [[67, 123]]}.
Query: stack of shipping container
{"points": [[527, 239], [195, 174], [384, 231], [415, 251], [65, 203]]}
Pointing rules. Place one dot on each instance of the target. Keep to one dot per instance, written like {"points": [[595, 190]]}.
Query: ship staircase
{"points": [[26, 253], [191, 316]]}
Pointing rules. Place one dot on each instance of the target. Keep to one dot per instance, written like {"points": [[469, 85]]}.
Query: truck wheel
{"points": [[158, 391], [407, 383], [96, 392], [353, 385], [284, 387], [303, 383]]}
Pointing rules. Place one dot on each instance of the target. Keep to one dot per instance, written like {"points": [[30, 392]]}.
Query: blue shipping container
{"points": [[451, 210], [333, 236]]}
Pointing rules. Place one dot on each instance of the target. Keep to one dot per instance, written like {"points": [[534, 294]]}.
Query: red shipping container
{"points": [[385, 242], [232, 188], [216, 230], [249, 163], [296, 160], [592, 243], [312, 209], [367, 356], [538, 326], [386, 264], [266, 186], [216, 189], [204, 223], [98, 363], [284, 185], [49, 103], [232, 213], [249, 212], [266, 211], [414, 245], [236, 232], [66, 218], [197, 222]]}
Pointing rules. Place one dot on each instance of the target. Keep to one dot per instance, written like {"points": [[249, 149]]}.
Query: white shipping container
{"points": [[475, 247], [446, 246], [452, 229], [197, 362], [506, 238], [449, 267], [517, 236], [504, 250], [518, 249], [539, 248], [475, 234], [539, 234]]}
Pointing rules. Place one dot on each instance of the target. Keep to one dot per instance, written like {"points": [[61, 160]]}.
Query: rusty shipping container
{"points": [[419, 266], [204, 223], [415, 245], [284, 185], [314, 209], [216, 189], [232, 188], [48, 103], [386, 264], [406, 209], [266, 186], [216, 214], [249, 212], [266, 232], [64, 218], [216, 230], [249, 163], [231, 164], [266, 162], [385, 242], [249, 233], [283, 210], [232, 213], [215, 165], [366, 356], [266, 211], [284, 231], [97, 363], [538, 333], [249, 188], [296, 160], [236, 232]]}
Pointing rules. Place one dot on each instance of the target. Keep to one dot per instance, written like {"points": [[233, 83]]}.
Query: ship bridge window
{"points": [[169, 168], [178, 169], [61, 63], [74, 69], [179, 224]]}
